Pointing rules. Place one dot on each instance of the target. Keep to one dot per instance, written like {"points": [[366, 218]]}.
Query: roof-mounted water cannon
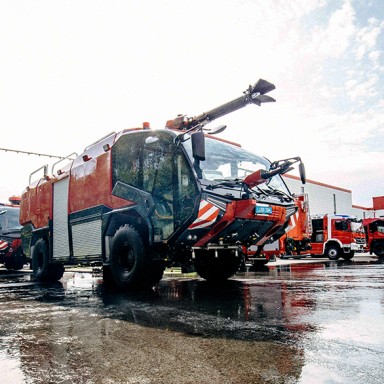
{"points": [[255, 94]]}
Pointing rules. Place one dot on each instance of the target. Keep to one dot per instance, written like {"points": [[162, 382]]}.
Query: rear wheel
{"points": [[129, 263], [333, 252], [218, 268], [378, 249], [42, 269]]}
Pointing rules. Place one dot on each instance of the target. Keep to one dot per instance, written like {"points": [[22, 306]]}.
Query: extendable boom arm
{"points": [[253, 95]]}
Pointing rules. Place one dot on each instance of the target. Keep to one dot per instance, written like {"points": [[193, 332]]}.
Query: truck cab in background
{"points": [[337, 236], [11, 253], [374, 232]]}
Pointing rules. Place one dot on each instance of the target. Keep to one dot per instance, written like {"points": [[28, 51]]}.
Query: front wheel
{"points": [[333, 252], [130, 265], [219, 268]]}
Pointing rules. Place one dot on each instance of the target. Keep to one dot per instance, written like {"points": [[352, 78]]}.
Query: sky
{"points": [[73, 71]]}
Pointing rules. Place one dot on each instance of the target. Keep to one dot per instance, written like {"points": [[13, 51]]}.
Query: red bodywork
{"points": [[374, 231], [241, 210], [90, 182]]}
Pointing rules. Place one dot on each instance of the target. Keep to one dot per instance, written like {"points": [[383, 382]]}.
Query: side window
{"points": [[126, 161], [341, 226], [187, 190]]}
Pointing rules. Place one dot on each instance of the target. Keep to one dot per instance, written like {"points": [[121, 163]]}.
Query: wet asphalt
{"points": [[307, 321]]}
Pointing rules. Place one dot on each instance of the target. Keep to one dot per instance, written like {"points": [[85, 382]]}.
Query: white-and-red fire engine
{"points": [[143, 199]]}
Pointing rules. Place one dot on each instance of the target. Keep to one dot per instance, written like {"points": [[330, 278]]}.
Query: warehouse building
{"points": [[325, 198]]}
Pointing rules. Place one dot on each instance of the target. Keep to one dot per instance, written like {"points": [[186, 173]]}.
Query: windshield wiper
{"points": [[232, 183], [278, 192], [225, 183]]}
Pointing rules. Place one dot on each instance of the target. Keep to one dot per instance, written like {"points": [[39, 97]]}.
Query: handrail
{"points": [[62, 159], [44, 167]]}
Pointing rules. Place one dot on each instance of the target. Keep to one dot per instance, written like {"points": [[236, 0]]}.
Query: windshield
{"points": [[357, 227], [9, 218], [229, 162]]}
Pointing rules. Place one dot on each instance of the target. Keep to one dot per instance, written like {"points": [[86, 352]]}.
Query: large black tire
{"points": [[378, 249], [130, 264], [14, 264], [219, 268], [348, 256], [16, 261], [333, 252], [42, 269]]}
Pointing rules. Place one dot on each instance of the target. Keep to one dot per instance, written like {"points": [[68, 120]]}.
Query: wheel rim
{"points": [[332, 253]]}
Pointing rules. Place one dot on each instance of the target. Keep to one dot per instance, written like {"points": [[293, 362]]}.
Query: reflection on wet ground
{"points": [[298, 323]]}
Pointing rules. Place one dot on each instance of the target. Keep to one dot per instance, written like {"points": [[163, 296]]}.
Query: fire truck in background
{"points": [[11, 253], [144, 199], [297, 239], [333, 236], [374, 232], [337, 236]]}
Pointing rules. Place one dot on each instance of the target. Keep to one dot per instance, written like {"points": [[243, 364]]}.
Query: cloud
{"points": [[335, 38], [358, 90], [367, 37]]}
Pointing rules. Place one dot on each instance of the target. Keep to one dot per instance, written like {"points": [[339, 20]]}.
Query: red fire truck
{"points": [[11, 253], [337, 236], [144, 199], [374, 232]]}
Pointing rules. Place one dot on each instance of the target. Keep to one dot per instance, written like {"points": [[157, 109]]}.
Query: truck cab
{"points": [[11, 254]]}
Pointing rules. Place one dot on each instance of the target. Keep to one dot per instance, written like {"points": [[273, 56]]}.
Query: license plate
{"points": [[263, 210]]}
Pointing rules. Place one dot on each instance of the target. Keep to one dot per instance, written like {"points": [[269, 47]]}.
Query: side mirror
{"points": [[198, 145], [303, 176], [216, 130]]}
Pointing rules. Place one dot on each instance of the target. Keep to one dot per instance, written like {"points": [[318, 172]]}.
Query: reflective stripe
{"points": [[3, 245], [207, 215]]}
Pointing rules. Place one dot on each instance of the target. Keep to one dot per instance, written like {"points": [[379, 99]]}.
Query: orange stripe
{"points": [[204, 209]]}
